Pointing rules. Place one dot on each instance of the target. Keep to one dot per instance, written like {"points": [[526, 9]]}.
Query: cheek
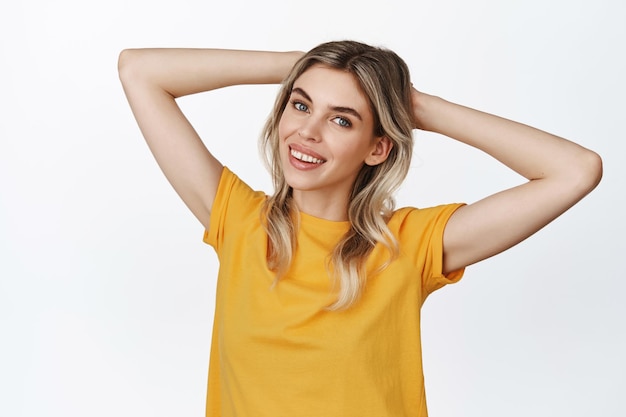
{"points": [[287, 126], [283, 134], [283, 125], [281, 129]]}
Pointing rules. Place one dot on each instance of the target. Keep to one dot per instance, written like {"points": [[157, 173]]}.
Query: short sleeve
{"points": [[420, 235], [234, 202]]}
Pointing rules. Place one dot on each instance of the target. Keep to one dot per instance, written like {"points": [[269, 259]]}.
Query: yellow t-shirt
{"points": [[277, 352]]}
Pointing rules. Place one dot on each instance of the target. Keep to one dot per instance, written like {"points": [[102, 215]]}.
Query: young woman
{"points": [[321, 284]]}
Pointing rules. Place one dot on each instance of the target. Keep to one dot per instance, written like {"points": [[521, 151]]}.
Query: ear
{"points": [[380, 152]]}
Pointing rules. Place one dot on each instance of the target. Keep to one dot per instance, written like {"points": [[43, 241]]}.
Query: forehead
{"points": [[332, 87]]}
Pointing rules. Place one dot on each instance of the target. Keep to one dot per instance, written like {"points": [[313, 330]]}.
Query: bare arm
{"points": [[560, 173], [154, 78]]}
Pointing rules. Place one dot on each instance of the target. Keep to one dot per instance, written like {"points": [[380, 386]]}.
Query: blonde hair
{"points": [[385, 80]]}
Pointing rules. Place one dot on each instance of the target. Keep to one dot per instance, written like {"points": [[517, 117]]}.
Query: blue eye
{"points": [[342, 121], [300, 106]]}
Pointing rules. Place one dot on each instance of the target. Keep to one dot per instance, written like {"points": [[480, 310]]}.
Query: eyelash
{"points": [[296, 104], [342, 121]]}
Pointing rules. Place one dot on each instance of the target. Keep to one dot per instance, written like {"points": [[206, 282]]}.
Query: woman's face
{"points": [[326, 133]]}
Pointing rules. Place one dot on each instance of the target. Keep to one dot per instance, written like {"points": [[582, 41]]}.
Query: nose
{"points": [[310, 129]]}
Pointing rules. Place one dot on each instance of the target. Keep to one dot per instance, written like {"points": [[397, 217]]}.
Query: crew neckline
{"points": [[318, 222]]}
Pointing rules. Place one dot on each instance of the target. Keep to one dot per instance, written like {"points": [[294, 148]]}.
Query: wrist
{"points": [[423, 104]]}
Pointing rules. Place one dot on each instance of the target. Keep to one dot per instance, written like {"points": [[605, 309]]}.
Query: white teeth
{"points": [[304, 157]]}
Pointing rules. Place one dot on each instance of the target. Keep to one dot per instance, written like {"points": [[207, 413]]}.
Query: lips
{"points": [[302, 155], [306, 158]]}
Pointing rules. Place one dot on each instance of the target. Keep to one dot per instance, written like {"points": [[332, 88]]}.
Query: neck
{"points": [[322, 205]]}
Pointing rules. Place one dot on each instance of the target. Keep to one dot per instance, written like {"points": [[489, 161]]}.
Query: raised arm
{"points": [[154, 78], [560, 173]]}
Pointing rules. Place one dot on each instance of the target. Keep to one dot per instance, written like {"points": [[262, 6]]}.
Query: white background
{"points": [[106, 290]]}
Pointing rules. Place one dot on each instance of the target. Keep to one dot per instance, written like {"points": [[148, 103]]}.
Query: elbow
{"points": [[125, 64], [122, 64], [594, 170], [588, 172]]}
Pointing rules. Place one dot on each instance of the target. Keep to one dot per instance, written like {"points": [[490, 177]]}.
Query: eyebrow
{"points": [[340, 109]]}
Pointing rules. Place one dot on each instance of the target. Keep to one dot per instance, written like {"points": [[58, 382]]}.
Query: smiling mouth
{"points": [[305, 158]]}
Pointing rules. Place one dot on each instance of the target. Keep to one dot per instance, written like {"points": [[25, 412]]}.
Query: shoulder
{"points": [[419, 232], [418, 228], [236, 204], [413, 219], [232, 190]]}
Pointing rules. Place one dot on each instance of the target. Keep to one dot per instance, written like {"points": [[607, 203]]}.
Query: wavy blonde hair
{"points": [[384, 78]]}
